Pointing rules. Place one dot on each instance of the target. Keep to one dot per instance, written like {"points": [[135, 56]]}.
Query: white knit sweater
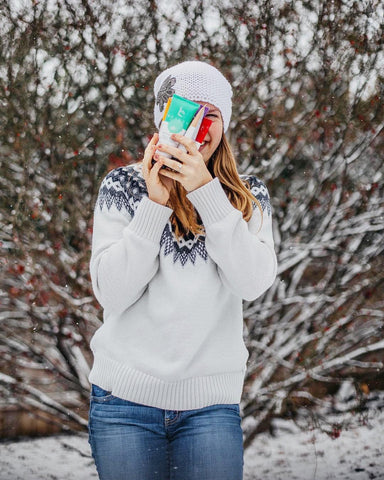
{"points": [[172, 331]]}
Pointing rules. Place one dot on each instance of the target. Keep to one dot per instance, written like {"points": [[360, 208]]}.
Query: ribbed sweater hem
{"points": [[185, 394]]}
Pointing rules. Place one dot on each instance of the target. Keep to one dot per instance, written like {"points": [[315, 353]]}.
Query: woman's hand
{"points": [[158, 188], [189, 169]]}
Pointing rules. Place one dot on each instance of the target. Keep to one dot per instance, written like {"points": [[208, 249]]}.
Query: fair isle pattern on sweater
{"points": [[184, 249], [260, 191], [124, 188]]}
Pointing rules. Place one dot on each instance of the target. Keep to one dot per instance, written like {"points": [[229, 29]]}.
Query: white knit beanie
{"points": [[197, 81]]}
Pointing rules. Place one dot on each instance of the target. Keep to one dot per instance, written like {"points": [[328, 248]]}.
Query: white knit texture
{"points": [[197, 81], [172, 335]]}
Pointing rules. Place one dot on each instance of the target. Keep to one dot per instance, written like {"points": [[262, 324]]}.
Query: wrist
{"points": [[208, 178], [162, 202]]}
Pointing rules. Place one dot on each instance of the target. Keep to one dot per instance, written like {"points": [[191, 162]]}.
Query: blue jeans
{"points": [[130, 441]]}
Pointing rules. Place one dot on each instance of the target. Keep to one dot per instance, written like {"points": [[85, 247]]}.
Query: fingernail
{"points": [[156, 156]]}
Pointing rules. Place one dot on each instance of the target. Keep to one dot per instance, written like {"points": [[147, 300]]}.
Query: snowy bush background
{"points": [[76, 100]]}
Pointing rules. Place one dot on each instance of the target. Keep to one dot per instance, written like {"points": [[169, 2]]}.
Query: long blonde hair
{"points": [[222, 165]]}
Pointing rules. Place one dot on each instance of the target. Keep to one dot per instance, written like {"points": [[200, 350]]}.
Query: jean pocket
{"points": [[233, 407], [98, 394]]}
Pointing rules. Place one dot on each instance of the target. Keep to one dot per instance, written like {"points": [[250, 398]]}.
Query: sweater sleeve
{"points": [[126, 242], [243, 251]]}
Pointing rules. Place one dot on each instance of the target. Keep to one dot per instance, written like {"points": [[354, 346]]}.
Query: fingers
{"points": [[170, 174], [188, 143], [148, 154], [173, 151], [153, 140], [168, 162], [155, 169]]}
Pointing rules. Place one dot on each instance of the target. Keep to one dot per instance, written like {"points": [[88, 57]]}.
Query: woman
{"points": [[175, 250]]}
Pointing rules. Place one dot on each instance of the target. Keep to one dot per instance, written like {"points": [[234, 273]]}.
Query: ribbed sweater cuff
{"points": [[150, 219], [211, 202]]}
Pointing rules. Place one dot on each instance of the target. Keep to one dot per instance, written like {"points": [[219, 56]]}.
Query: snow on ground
{"points": [[357, 454]]}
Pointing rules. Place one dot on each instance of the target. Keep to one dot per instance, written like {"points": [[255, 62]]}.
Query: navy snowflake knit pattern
{"points": [[124, 188], [259, 191]]}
